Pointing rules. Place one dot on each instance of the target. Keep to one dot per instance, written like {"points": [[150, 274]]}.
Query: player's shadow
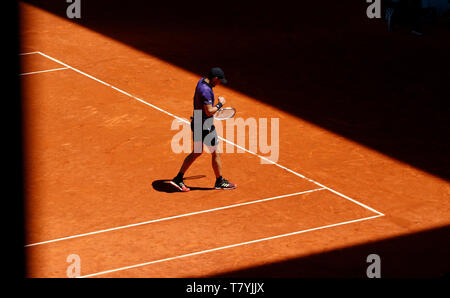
{"points": [[165, 186]]}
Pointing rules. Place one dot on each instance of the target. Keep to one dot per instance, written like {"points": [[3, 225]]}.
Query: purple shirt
{"points": [[204, 95]]}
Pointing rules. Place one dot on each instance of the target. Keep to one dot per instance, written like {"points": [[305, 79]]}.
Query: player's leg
{"points": [[221, 183], [198, 136], [216, 162], [187, 162]]}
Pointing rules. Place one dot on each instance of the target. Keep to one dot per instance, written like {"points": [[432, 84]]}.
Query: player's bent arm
{"points": [[210, 110]]}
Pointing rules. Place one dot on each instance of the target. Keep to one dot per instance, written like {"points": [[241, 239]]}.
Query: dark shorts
{"points": [[207, 135]]}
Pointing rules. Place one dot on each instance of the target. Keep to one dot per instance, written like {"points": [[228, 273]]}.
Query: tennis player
{"points": [[204, 131]]}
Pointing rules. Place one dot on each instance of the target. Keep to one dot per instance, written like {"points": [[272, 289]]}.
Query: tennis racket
{"points": [[225, 113]]}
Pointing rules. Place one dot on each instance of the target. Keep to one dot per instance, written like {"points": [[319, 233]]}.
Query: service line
{"points": [[41, 71], [173, 217]]}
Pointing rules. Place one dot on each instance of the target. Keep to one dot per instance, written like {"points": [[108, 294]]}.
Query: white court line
{"points": [[111, 86], [41, 71], [225, 140], [29, 53], [174, 217], [229, 246]]}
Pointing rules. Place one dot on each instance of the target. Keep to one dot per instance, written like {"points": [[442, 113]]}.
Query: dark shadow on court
{"points": [[420, 255], [323, 61], [165, 186]]}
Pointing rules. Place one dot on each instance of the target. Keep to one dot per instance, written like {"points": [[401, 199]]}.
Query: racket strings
{"points": [[224, 113]]}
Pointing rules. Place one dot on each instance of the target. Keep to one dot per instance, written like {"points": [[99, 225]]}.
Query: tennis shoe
{"points": [[179, 184], [224, 184]]}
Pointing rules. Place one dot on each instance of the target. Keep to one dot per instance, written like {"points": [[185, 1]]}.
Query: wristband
{"points": [[219, 105]]}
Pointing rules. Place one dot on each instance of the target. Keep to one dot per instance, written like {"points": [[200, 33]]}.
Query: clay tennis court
{"points": [[97, 116]]}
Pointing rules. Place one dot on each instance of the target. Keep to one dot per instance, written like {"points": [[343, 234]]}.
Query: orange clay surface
{"points": [[98, 159]]}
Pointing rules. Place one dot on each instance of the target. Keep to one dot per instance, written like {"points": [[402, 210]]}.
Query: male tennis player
{"points": [[204, 132]]}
